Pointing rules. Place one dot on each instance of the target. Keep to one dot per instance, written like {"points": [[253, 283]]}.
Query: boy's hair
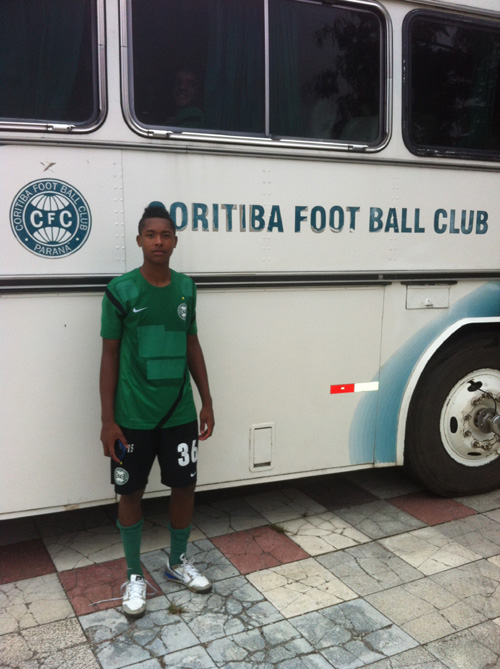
{"points": [[156, 210]]}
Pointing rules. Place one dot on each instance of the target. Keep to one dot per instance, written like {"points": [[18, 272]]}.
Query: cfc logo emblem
{"points": [[50, 218], [120, 476], [182, 310]]}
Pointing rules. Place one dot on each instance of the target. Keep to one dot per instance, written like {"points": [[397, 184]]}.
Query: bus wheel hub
{"points": [[470, 422]]}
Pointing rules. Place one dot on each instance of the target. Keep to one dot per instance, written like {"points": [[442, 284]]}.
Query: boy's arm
{"points": [[198, 370], [108, 379]]}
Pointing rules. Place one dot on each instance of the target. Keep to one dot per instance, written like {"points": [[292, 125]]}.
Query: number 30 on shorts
{"points": [[185, 455]]}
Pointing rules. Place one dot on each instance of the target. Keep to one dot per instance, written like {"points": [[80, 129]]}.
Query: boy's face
{"points": [[157, 240], [186, 88]]}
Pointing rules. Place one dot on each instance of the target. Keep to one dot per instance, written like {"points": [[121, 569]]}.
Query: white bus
{"points": [[333, 171]]}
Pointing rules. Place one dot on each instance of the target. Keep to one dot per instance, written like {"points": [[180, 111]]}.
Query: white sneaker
{"points": [[186, 574], [134, 599]]}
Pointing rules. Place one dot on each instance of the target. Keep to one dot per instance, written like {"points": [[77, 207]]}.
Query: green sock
{"points": [[178, 544], [131, 540]]}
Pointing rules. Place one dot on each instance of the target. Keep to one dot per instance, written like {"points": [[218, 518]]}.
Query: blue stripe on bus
{"points": [[382, 409]]}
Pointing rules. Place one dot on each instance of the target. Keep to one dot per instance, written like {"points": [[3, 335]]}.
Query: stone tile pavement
{"points": [[355, 570]]}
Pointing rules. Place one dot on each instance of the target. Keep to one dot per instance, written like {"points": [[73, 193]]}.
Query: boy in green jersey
{"points": [[150, 350]]}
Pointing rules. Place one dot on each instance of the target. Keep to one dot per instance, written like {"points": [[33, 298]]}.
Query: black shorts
{"points": [[177, 452]]}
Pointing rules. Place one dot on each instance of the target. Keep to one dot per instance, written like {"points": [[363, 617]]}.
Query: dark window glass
{"points": [[48, 68], [199, 64], [326, 71], [453, 86]]}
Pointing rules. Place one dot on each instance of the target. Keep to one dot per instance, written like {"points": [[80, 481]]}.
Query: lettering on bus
{"points": [[452, 221], [337, 218]]}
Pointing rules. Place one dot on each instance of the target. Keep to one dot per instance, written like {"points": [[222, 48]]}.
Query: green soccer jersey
{"points": [[152, 324]]}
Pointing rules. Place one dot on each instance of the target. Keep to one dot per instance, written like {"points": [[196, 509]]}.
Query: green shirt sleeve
{"points": [[111, 316]]}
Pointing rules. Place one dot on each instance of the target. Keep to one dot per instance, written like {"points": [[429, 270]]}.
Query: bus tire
{"points": [[444, 448]]}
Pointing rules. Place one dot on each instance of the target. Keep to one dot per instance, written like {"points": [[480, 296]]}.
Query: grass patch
{"points": [[175, 609]]}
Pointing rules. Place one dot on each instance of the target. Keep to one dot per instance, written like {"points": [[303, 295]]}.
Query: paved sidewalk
{"points": [[354, 570]]}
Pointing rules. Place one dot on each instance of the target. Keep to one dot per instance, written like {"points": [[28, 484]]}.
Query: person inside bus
{"points": [[150, 351], [187, 100], [362, 107], [327, 116]]}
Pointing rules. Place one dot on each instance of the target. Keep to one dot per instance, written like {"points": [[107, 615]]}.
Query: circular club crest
{"points": [[50, 218], [121, 476], [182, 311]]}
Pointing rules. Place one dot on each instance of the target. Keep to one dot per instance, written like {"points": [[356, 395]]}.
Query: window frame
{"points": [[99, 56], [431, 150], [265, 140]]}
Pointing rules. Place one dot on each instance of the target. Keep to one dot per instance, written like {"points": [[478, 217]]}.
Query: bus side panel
{"points": [[51, 184], [52, 455], [273, 357], [255, 215]]}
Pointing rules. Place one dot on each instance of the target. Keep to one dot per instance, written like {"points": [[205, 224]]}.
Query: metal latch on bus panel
{"points": [[59, 127], [262, 439], [427, 297]]}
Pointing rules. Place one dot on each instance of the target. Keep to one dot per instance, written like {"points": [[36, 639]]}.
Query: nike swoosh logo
{"points": [[136, 311]]}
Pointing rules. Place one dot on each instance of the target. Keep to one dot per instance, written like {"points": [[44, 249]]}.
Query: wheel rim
{"points": [[462, 439]]}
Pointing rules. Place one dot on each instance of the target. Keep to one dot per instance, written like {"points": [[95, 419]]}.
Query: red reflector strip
{"points": [[354, 388], [346, 388]]}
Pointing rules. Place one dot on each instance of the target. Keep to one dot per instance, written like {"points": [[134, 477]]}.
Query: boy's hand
{"points": [[110, 433], [207, 422]]}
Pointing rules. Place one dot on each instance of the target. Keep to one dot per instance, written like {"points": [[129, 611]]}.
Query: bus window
{"points": [[48, 62], [452, 89], [198, 64], [202, 65], [326, 71]]}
